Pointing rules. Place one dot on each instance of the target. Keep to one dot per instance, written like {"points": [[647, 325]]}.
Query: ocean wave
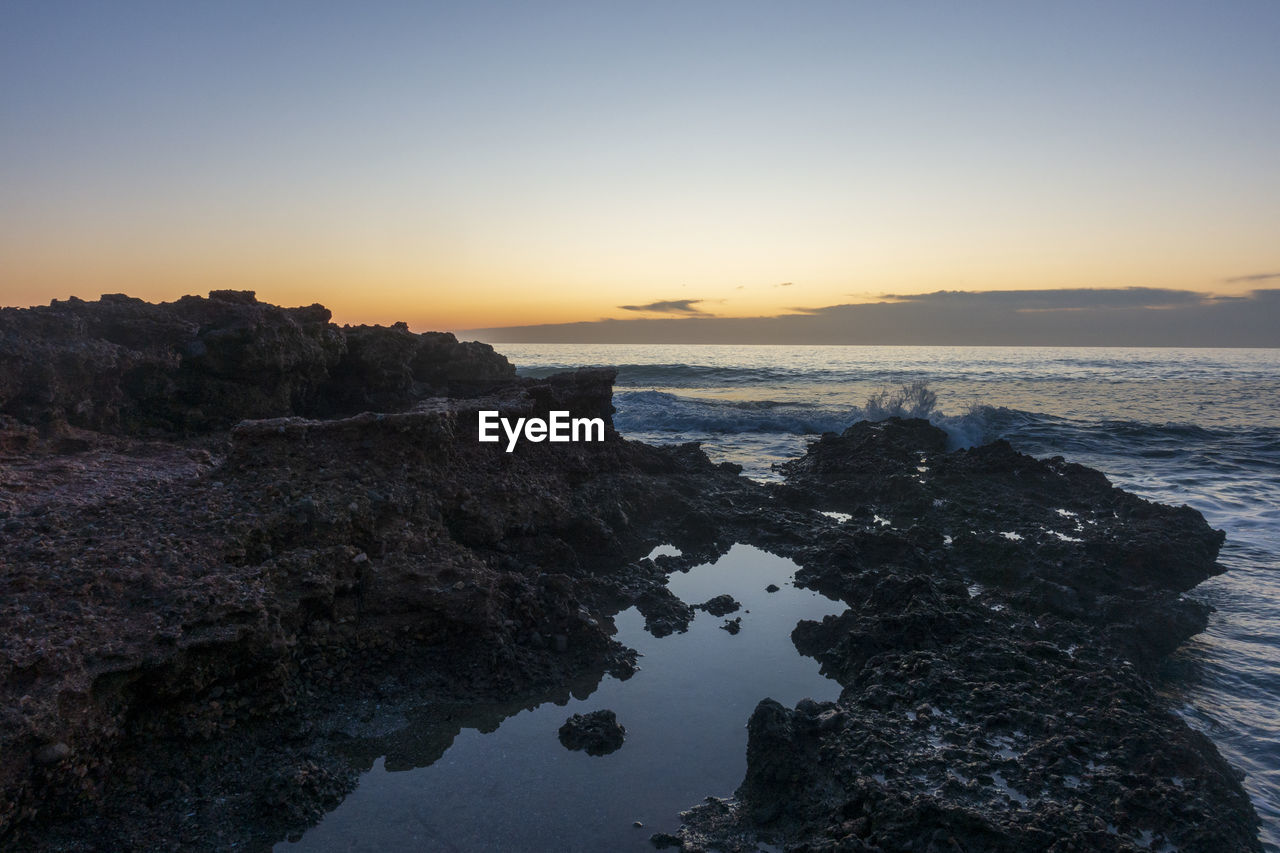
{"points": [[659, 412], [981, 424]]}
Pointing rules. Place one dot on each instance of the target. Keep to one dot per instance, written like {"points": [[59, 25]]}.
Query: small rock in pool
{"points": [[721, 605], [773, 587], [733, 626], [598, 732]]}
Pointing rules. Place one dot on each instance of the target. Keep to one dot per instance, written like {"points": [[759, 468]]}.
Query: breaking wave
{"points": [[659, 411]]}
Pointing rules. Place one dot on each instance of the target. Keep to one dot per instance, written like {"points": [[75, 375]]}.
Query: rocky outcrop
{"points": [[1048, 537], [188, 624], [125, 366], [211, 595], [386, 369], [1004, 617], [720, 605], [597, 732]]}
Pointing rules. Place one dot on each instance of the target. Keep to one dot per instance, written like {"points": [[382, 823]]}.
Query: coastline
{"points": [[258, 610]]}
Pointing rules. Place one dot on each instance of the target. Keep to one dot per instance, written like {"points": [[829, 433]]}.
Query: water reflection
{"points": [[496, 776]]}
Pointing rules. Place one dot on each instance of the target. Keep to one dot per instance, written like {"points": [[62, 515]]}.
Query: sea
{"points": [[1180, 426]]}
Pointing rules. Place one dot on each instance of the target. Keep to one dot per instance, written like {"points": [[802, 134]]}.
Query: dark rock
{"points": [[779, 761], [994, 657], [733, 626], [387, 369], [181, 609], [249, 578], [52, 753], [126, 366], [598, 732], [664, 614], [1049, 535], [721, 605]]}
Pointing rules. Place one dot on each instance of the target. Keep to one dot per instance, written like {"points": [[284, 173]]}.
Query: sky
{"points": [[1061, 317], [479, 165]]}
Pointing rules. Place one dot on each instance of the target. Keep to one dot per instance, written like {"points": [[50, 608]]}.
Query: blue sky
{"points": [[464, 165]]}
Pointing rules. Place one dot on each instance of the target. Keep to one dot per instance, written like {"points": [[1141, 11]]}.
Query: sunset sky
{"points": [[474, 165]]}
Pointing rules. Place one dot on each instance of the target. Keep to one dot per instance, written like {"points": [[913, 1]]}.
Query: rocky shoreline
{"points": [[238, 538]]}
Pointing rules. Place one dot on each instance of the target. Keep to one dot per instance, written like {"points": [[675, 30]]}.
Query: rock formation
{"points": [[233, 535], [125, 366], [598, 733], [1004, 616]]}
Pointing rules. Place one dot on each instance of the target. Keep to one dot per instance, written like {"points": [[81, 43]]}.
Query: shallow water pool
{"points": [[685, 712]]}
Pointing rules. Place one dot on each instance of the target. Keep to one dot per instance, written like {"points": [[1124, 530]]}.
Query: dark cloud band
{"points": [[668, 306], [1068, 317]]}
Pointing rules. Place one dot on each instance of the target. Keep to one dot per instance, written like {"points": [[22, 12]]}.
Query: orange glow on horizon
{"points": [[459, 309], [451, 170], [567, 276]]}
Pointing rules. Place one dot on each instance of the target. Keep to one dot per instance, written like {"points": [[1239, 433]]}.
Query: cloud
{"points": [[1134, 316], [1061, 299], [1258, 276], [786, 284], [669, 306]]}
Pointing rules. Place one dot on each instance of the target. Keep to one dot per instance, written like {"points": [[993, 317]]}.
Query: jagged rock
{"points": [[721, 605], [781, 752], [142, 578], [386, 369], [597, 732], [664, 613], [176, 610], [126, 366], [1052, 536], [992, 656]]}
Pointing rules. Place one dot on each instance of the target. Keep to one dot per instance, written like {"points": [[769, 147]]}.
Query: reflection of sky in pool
{"points": [[685, 712]]}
